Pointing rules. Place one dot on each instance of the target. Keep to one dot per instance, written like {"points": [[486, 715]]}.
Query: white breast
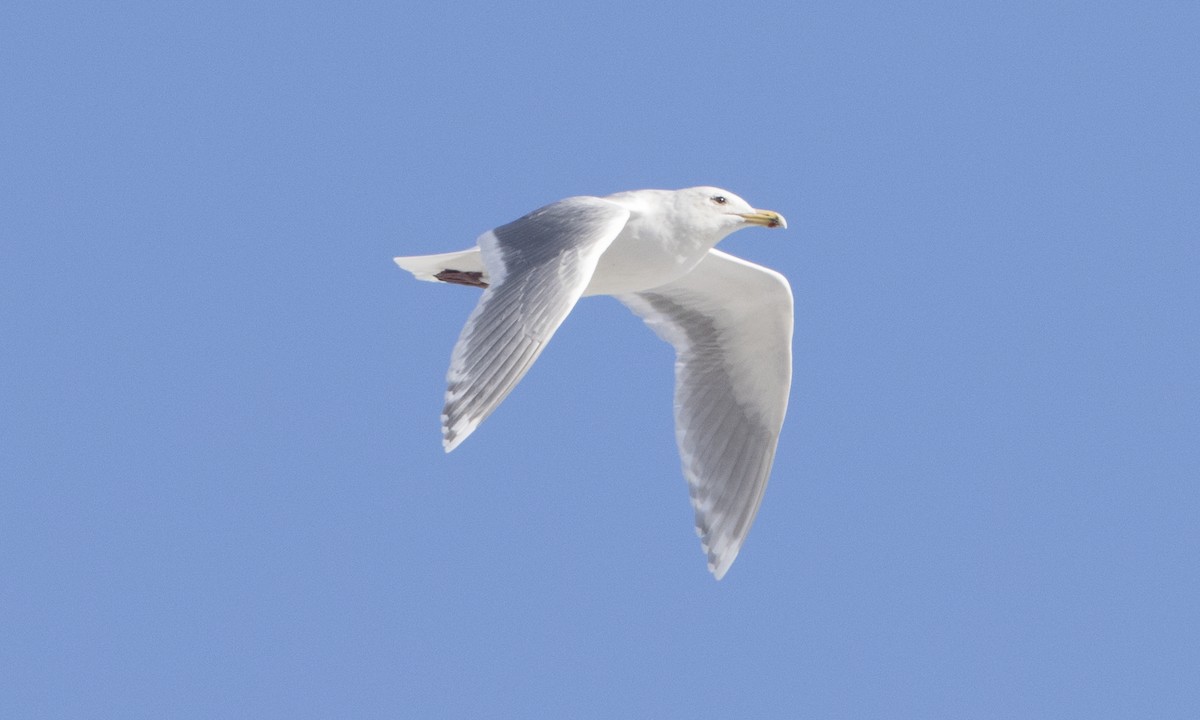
{"points": [[646, 254]]}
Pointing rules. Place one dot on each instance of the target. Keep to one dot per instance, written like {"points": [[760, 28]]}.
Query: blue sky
{"points": [[223, 491]]}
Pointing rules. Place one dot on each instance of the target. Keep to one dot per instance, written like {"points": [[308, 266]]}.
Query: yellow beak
{"points": [[766, 218]]}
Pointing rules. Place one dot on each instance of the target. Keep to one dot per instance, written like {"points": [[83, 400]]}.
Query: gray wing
{"points": [[538, 267], [730, 322]]}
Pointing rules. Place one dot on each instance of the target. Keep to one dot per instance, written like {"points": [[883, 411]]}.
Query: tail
{"points": [[448, 267]]}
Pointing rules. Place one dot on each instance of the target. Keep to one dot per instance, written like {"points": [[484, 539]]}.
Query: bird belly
{"points": [[633, 264]]}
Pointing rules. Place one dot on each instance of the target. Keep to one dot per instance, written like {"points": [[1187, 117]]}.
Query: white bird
{"points": [[729, 320]]}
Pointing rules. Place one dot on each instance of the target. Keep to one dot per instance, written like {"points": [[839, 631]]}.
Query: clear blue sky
{"points": [[222, 491]]}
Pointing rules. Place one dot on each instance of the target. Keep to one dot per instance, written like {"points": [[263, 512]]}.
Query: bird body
{"points": [[729, 320], [660, 242]]}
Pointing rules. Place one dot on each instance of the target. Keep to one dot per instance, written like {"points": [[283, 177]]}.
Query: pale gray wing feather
{"points": [[730, 322], [538, 267]]}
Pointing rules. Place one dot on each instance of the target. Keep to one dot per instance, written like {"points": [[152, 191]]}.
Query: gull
{"points": [[729, 320]]}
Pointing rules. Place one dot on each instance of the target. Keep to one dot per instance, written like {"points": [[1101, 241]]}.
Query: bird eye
{"points": [[719, 199]]}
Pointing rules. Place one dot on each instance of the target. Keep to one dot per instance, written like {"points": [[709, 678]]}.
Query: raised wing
{"points": [[730, 322], [537, 267]]}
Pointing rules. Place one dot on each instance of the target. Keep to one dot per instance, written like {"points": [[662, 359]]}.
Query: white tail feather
{"points": [[426, 267]]}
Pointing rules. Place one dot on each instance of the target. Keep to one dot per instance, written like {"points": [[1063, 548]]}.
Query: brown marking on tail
{"points": [[462, 277]]}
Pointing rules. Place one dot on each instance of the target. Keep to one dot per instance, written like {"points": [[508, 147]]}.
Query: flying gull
{"points": [[729, 320]]}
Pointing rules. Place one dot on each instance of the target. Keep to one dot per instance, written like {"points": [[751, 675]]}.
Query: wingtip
{"points": [[719, 561], [719, 565], [453, 436], [450, 440]]}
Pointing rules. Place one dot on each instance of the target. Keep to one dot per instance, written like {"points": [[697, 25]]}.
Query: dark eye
{"points": [[719, 199]]}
